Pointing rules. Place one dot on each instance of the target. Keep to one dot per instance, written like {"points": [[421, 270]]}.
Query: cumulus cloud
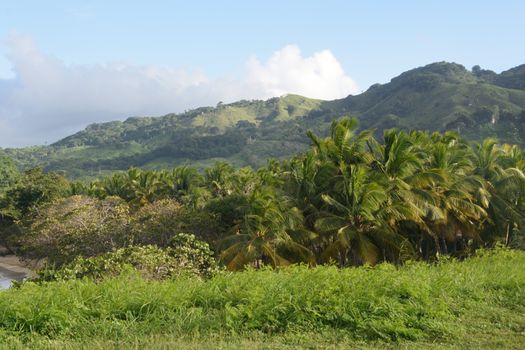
{"points": [[48, 99], [319, 76]]}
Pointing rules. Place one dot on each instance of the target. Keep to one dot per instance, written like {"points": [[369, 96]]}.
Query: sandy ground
{"points": [[13, 265], [11, 268]]}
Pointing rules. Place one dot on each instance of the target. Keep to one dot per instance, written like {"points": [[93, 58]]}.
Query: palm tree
{"points": [[502, 169], [218, 179], [144, 186], [461, 198], [265, 236], [344, 145], [185, 184], [306, 179], [358, 219], [399, 166], [117, 185], [354, 189]]}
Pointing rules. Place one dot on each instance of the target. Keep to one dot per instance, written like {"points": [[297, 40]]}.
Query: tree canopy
{"points": [[351, 199]]}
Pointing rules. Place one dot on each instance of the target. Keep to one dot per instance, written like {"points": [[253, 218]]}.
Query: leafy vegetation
{"points": [[350, 200], [477, 303], [8, 172], [185, 255], [438, 97], [145, 253]]}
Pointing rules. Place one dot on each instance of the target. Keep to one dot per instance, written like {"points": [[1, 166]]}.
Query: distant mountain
{"points": [[440, 96], [446, 96], [513, 78]]}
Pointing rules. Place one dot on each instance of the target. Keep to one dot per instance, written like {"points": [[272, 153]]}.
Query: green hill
{"points": [[445, 96], [440, 96]]}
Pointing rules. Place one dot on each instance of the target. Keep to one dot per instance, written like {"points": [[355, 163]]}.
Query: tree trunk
{"points": [[445, 245], [438, 246], [426, 254], [508, 235]]}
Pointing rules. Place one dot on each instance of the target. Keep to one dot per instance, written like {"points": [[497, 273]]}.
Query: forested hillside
{"points": [[438, 97]]}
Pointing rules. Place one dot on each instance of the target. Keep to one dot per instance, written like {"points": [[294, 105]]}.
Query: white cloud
{"points": [[48, 99], [319, 76]]}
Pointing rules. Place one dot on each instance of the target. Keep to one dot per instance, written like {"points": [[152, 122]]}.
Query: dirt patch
{"points": [[11, 264], [12, 269]]}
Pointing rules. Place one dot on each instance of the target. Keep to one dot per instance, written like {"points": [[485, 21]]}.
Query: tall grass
{"points": [[417, 302]]}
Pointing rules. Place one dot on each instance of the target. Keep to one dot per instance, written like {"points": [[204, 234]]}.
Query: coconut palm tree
{"points": [[344, 145], [461, 196], [265, 235], [218, 179], [502, 169], [357, 219], [117, 185], [184, 184], [144, 186]]}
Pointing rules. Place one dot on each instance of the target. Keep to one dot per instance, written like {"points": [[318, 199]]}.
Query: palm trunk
{"points": [[508, 235], [419, 246], [445, 245], [438, 246]]}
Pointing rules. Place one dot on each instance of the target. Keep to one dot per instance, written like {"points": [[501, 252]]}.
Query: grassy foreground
{"points": [[477, 303]]}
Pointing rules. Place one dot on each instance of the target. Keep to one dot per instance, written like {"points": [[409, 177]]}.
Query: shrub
{"points": [[194, 254], [157, 222], [76, 226], [186, 256], [33, 189]]}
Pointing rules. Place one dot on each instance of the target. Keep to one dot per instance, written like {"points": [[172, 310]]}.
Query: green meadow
{"points": [[476, 303]]}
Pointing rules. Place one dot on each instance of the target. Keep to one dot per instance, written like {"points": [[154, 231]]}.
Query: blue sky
{"points": [[191, 53]]}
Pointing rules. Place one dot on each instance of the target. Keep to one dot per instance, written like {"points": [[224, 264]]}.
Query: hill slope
{"points": [[440, 96], [445, 96]]}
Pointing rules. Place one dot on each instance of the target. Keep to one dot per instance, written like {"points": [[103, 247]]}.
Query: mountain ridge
{"points": [[440, 96]]}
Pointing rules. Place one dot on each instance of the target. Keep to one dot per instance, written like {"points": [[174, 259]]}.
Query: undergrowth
{"points": [[418, 302]]}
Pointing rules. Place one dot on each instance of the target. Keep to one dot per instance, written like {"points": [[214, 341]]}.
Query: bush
{"points": [[76, 226], [31, 190], [186, 256], [193, 254], [157, 222]]}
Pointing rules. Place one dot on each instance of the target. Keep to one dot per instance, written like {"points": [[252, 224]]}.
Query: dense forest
{"points": [[350, 200]]}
